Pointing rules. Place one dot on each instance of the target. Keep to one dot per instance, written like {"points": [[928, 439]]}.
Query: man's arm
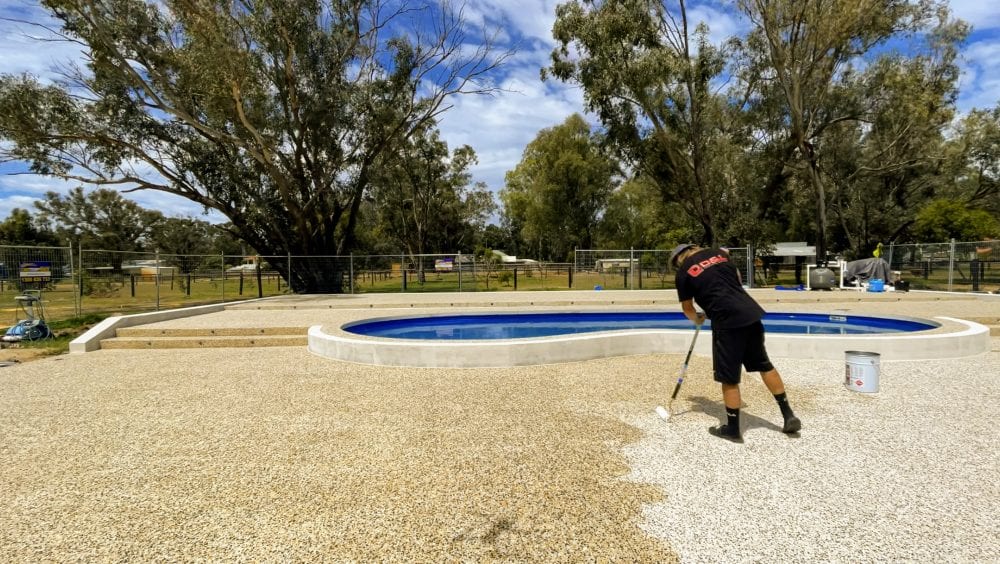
{"points": [[692, 314]]}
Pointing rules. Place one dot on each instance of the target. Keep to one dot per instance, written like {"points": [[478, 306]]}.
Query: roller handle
{"points": [[677, 388], [687, 359]]}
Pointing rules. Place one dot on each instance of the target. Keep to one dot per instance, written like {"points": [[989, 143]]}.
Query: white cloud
{"points": [[22, 190], [532, 19], [722, 23], [982, 14], [9, 202], [27, 48], [499, 127], [980, 81]]}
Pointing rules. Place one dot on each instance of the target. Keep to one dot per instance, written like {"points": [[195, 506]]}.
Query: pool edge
{"points": [[964, 338]]}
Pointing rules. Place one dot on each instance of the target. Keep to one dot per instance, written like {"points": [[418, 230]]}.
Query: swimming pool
{"points": [[547, 324], [945, 337]]}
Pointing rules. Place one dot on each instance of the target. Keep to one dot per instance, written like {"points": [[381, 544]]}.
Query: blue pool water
{"points": [[528, 325]]}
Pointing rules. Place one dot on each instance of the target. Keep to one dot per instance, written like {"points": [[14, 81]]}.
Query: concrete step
{"points": [[190, 342], [218, 332]]}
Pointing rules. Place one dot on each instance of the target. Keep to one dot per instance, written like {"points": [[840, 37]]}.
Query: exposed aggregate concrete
{"points": [[276, 454]]}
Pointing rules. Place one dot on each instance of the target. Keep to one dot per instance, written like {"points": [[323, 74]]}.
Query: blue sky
{"points": [[497, 127]]}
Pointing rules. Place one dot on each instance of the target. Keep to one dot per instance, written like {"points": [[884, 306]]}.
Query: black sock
{"points": [[782, 399], [733, 420]]}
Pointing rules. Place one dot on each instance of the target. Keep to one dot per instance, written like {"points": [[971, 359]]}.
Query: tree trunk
{"points": [[817, 183]]}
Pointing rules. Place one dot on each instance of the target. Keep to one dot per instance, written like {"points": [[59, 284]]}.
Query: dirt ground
{"points": [[16, 354]]}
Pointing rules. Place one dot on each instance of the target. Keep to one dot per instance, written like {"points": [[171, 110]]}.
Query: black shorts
{"points": [[733, 348]]}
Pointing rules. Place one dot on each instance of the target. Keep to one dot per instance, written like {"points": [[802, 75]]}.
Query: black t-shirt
{"points": [[712, 280]]}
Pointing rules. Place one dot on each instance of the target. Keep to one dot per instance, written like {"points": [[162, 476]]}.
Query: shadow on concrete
{"points": [[715, 408]]}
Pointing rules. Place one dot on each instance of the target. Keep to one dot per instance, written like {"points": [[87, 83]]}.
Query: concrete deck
{"points": [[278, 454]]}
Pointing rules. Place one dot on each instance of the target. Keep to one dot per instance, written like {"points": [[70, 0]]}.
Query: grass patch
{"points": [[63, 331]]}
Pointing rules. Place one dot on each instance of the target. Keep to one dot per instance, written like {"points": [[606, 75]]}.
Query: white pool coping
{"points": [[956, 338]]}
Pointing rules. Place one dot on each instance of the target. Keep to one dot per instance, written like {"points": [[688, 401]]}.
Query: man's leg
{"points": [[731, 396], [774, 384], [773, 381], [727, 352], [732, 400]]}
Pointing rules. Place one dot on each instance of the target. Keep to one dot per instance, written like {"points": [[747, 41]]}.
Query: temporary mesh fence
{"points": [[79, 281], [638, 269], [48, 270], [961, 267]]}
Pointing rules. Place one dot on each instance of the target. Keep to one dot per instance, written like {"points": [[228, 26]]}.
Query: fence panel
{"points": [[612, 269], [45, 269], [434, 273], [638, 269], [377, 273], [961, 267], [118, 281], [105, 282], [248, 277]]}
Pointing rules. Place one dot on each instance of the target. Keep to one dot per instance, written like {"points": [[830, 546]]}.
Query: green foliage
{"points": [[274, 113], [649, 79], [798, 57], [190, 242], [101, 219], [942, 220], [973, 163], [635, 218], [884, 165], [423, 197], [557, 191], [20, 228]]}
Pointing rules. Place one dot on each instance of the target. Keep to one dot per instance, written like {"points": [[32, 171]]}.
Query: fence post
{"points": [[79, 247], [459, 271], [951, 264], [289, 279], [157, 255], [352, 272], [515, 278], [402, 270], [631, 268], [260, 285], [72, 276], [222, 266], [750, 272]]}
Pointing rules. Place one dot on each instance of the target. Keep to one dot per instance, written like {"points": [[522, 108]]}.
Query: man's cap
{"points": [[677, 251]]}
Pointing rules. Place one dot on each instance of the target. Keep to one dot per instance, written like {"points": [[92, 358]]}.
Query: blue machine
{"points": [[32, 327]]}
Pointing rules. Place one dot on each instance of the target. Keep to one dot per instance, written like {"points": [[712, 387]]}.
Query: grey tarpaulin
{"points": [[867, 269]]}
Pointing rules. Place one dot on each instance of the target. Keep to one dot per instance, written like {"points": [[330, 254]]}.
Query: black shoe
{"points": [[792, 425], [723, 432]]}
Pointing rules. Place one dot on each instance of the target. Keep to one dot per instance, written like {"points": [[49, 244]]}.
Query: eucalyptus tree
{"points": [[800, 50], [99, 220], [425, 199], [558, 190], [974, 161], [884, 166], [648, 75], [20, 228], [273, 112], [189, 241], [635, 217]]}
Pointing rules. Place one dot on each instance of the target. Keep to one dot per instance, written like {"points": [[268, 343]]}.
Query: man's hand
{"points": [[699, 318]]}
